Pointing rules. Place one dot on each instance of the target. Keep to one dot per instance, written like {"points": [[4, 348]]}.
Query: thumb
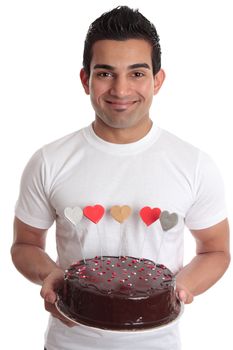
{"points": [[49, 296], [185, 296], [182, 296], [51, 284]]}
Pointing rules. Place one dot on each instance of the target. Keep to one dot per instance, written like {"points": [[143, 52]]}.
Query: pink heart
{"points": [[94, 213], [149, 215]]}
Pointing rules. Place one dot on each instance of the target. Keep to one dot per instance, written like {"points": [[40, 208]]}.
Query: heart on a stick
{"points": [[94, 213], [168, 220], [149, 215], [74, 215], [120, 213]]}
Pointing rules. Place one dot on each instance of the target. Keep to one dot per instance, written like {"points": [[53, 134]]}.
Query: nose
{"points": [[120, 87]]}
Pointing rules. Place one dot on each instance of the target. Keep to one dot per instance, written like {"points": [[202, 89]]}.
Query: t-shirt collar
{"points": [[122, 149]]}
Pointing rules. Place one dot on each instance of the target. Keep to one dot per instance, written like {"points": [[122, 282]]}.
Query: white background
{"points": [[41, 45]]}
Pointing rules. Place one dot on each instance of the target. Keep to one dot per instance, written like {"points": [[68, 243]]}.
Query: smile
{"points": [[121, 104]]}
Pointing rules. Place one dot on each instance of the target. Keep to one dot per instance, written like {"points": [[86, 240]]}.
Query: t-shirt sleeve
{"points": [[208, 206], [33, 206]]}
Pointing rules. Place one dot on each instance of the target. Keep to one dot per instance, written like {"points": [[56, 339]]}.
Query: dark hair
{"points": [[122, 23]]}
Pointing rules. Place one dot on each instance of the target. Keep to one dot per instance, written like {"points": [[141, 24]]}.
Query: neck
{"points": [[121, 135]]}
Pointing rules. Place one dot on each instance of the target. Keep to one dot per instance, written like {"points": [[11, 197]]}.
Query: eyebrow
{"points": [[132, 66]]}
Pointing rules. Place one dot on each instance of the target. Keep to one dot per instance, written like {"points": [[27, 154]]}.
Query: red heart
{"points": [[150, 215], [94, 213]]}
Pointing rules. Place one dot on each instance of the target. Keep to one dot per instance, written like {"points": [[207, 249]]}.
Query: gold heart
{"points": [[120, 213]]}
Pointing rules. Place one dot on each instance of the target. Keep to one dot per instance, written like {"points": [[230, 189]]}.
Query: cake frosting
{"points": [[119, 293]]}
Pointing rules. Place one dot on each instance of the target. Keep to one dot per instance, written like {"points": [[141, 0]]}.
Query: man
{"points": [[122, 158]]}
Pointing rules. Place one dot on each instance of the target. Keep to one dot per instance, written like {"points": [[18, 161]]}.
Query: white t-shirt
{"points": [[159, 171]]}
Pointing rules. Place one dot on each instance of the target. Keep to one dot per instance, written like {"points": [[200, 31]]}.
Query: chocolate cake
{"points": [[119, 293]]}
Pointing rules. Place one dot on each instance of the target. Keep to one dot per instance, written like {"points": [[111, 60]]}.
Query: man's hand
{"points": [[48, 292], [183, 294], [30, 258], [211, 261]]}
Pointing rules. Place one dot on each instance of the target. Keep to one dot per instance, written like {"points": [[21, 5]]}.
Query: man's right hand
{"points": [[48, 292]]}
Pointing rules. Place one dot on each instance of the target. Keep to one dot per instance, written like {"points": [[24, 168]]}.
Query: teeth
{"points": [[121, 105]]}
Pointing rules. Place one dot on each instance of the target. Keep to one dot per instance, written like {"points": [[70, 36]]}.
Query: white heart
{"points": [[74, 215]]}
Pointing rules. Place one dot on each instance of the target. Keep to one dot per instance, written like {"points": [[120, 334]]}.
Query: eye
{"points": [[138, 74], [104, 74]]}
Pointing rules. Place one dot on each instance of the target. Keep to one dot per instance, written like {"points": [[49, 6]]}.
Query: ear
{"points": [[158, 80], [85, 81]]}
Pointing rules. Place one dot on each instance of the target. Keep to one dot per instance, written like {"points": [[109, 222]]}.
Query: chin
{"points": [[120, 124]]}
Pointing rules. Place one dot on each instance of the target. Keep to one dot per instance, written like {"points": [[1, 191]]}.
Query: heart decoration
{"points": [[94, 213], [120, 213], [74, 215], [168, 220], [149, 215]]}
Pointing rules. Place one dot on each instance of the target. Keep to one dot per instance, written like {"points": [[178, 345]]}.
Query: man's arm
{"points": [[30, 259], [28, 252], [210, 263]]}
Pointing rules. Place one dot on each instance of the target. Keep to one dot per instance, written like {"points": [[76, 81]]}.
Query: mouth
{"points": [[120, 105]]}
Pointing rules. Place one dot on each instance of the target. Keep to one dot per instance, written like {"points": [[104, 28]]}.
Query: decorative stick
{"points": [[149, 216], [74, 216], [167, 221], [120, 214], [95, 214]]}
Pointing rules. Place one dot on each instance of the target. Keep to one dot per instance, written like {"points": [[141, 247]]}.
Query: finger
{"points": [[185, 297], [48, 293], [69, 324], [189, 299], [182, 295], [50, 284], [55, 313]]}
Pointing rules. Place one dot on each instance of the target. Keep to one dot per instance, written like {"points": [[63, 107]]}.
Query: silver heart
{"points": [[168, 220], [74, 215]]}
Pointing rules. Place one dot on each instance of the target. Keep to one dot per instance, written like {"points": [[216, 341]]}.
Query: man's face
{"points": [[121, 83]]}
